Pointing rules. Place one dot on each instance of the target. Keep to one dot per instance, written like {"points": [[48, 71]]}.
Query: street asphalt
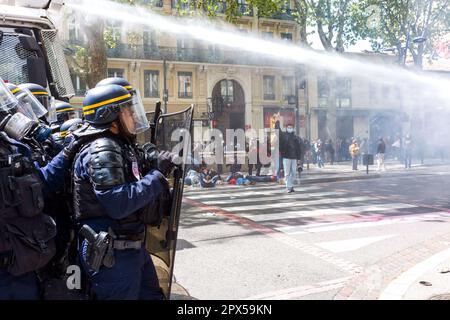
{"points": [[350, 237]]}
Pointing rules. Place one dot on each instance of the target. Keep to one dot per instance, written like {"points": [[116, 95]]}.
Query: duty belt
{"points": [[127, 241], [126, 244]]}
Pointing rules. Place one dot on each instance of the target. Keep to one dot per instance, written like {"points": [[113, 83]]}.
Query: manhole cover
{"points": [[445, 296]]}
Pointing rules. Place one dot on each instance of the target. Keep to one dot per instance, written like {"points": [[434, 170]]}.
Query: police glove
{"points": [[167, 161], [71, 149]]}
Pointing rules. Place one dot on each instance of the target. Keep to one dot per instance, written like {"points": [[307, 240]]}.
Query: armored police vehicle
{"points": [[29, 47]]}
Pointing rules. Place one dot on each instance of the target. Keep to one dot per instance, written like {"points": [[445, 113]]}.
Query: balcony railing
{"points": [[285, 15], [269, 96], [243, 9], [185, 95], [215, 56]]}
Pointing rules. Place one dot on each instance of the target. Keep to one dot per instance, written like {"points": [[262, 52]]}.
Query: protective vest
{"points": [[112, 162], [24, 229]]}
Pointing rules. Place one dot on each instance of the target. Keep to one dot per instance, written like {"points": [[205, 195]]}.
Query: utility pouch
{"points": [[32, 242], [29, 193]]}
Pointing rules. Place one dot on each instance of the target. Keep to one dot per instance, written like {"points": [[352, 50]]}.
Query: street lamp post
{"points": [[297, 115], [166, 92]]}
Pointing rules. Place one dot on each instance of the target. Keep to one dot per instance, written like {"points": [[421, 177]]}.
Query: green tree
{"points": [[334, 21], [396, 23]]}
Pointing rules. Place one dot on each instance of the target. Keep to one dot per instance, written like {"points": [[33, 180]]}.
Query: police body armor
{"points": [[113, 162], [25, 231]]}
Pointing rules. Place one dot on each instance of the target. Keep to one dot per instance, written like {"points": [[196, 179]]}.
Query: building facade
{"points": [[236, 90]]}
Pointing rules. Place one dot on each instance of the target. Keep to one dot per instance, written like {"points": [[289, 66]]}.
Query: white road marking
{"points": [[324, 227], [190, 190], [301, 291], [290, 197], [288, 204], [242, 193], [398, 287], [258, 217], [351, 244]]}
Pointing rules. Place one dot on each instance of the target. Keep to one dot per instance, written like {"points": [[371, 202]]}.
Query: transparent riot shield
{"points": [[172, 133]]}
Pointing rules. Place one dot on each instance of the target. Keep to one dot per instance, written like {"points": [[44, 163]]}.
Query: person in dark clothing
{"points": [[329, 149], [115, 191], [291, 150], [381, 150]]}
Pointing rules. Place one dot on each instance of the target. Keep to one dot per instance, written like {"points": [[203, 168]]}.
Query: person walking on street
{"points": [[381, 150], [319, 153], [407, 145], [354, 152], [291, 151]]}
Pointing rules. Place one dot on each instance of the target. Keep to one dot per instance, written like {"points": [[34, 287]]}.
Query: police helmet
{"points": [[12, 87], [69, 126], [64, 111], [102, 105], [117, 80], [27, 103], [39, 92]]}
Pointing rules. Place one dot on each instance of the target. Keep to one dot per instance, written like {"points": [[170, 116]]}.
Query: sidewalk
{"points": [[427, 280], [342, 171]]}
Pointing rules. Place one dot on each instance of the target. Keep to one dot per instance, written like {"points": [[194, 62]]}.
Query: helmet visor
{"points": [[63, 114], [27, 100], [51, 115], [7, 99], [132, 115]]}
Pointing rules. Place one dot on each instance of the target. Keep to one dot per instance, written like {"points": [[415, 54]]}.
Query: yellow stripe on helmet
{"points": [[15, 90], [88, 112], [66, 109], [128, 87], [40, 93], [96, 105]]}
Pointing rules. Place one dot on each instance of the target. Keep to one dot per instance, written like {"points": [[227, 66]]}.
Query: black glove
{"points": [[167, 161], [72, 148]]}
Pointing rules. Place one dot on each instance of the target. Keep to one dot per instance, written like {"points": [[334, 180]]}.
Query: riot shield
{"points": [[152, 117], [172, 133]]}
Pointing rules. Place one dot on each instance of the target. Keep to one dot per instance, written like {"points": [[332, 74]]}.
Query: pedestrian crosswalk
{"points": [[313, 210]]}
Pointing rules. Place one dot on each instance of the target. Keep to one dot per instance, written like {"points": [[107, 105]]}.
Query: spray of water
{"points": [[416, 90], [411, 82]]}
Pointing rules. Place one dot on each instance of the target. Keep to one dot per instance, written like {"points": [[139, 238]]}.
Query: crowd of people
{"points": [[352, 149], [303, 152]]}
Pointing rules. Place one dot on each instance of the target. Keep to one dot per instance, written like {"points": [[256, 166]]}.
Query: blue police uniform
{"points": [[25, 286], [115, 203]]}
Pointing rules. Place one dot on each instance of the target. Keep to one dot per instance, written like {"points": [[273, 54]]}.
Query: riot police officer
{"points": [[28, 100], [59, 113], [26, 233], [65, 131], [114, 198], [39, 92], [119, 81]]}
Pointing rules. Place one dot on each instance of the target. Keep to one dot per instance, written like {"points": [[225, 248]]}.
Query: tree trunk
{"points": [[97, 53], [302, 9]]}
